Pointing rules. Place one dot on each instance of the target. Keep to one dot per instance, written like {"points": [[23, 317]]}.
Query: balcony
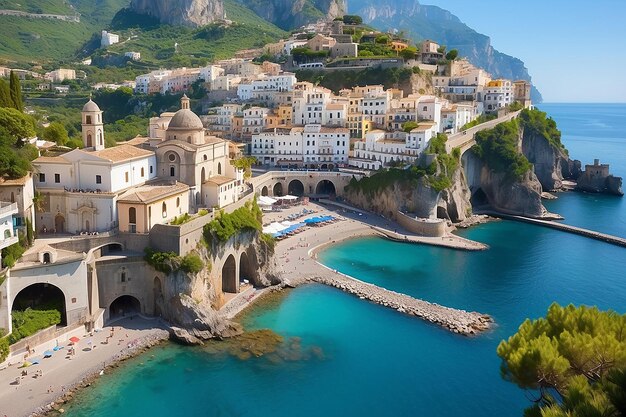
{"points": [[7, 209], [5, 243]]}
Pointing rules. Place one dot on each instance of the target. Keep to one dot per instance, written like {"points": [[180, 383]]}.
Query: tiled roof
{"points": [[153, 192], [122, 153], [220, 180]]}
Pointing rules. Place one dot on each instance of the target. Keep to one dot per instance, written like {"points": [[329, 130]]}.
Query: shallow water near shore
{"points": [[377, 362]]}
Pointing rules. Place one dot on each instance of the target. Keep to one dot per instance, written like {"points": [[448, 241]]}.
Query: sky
{"points": [[574, 50]]}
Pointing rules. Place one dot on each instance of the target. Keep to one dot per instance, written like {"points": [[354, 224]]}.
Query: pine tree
{"points": [[5, 95], [16, 92]]}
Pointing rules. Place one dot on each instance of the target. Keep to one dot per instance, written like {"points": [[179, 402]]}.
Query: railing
{"points": [[6, 208]]}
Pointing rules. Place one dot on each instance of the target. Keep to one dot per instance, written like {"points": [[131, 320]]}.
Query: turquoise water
{"points": [[374, 361]]}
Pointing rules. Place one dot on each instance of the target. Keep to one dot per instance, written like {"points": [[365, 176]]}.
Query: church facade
{"points": [[98, 189]]}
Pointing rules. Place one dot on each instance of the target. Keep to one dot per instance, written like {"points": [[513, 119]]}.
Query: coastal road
{"points": [[466, 139]]}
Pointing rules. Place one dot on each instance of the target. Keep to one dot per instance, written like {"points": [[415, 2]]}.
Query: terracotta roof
{"points": [[138, 140], [335, 106], [51, 159], [153, 192], [220, 180], [121, 153], [18, 181]]}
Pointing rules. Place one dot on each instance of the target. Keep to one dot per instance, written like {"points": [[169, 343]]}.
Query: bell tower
{"points": [[184, 102], [92, 126]]}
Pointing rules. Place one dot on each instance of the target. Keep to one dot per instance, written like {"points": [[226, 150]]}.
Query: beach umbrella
{"points": [[48, 353], [74, 339], [35, 362], [26, 364]]}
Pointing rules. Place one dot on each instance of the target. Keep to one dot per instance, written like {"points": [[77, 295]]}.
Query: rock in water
{"points": [[181, 12]]}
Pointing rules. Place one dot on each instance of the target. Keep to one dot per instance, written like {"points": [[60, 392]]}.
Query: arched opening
{"points": [[125, 305], [172, 171], [219, 168], [264, 191], [479, 199], [296, 188], [7, 234], [46, 258], [87, 226], [88, 120], [325, 187], [110, 248], [59, 223], [278, 189], [158, 296], [247, 272], [324, 166], [229, 275], [203, 176], [89, 140], [12, 197], [100, 138], [41, 297], [164, 210], [132, 215]]}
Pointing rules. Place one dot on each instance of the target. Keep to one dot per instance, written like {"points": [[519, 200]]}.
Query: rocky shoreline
{"points": [[55, 407]]}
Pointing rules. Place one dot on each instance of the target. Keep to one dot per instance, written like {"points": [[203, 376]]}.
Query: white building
{"points": [[134, 56], [311, 146], [498, 94], [8, 233], [61, 74], [108, 39]]}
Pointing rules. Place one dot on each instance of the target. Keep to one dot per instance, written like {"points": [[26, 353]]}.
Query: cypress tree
{"points": [[5, 95], [16, 92]]}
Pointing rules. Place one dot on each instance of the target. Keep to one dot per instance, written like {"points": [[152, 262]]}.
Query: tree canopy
{"points": [[56, 133], [5, 94], [15, 155], [352, 19], [16, 91], [575, 358], [452, 55]]}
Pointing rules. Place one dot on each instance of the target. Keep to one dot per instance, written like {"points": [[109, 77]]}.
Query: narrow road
{"points": [[465, 139]]}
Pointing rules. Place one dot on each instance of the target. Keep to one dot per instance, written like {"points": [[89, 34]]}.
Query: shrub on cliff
{"points": [[4, 348], [29, 322], [227, 225], [191, 263], [498, 148], [536, 122]]}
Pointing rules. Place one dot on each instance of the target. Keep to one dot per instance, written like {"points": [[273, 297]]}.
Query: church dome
{"points": [[185, 119], [91, 106]]}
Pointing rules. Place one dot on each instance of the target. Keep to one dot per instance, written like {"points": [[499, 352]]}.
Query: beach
{"points": [[61, 373]]}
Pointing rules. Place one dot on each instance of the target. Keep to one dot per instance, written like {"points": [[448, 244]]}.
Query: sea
{"points": [[344, 357]]}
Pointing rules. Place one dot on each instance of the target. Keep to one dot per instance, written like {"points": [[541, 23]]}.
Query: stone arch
{"points": [[41, 296], [325, 187], [264, 191], [124, 305], [296, 187], [247, 267], [278, 189], [59, 223], [229, 275]]}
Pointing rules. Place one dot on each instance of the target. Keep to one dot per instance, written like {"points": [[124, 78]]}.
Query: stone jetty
{"points": [[457, 321]]}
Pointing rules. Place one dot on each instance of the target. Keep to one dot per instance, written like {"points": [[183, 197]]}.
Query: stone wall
{"points": [[422, 227]]}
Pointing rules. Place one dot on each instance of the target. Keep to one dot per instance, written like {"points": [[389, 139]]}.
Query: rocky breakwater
{"points": [[457, 321]]}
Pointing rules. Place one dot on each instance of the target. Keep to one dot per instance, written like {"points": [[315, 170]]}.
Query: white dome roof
{"points": [[185, 119], [91, 106]]}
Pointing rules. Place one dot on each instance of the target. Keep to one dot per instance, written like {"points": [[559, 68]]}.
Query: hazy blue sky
{"points": [[575, 50]]}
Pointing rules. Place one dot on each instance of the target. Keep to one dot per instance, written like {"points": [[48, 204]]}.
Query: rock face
{"points": [[552, 165], [522, 198], [181, 12], [290, 14], [422, 200], [431, 22]]}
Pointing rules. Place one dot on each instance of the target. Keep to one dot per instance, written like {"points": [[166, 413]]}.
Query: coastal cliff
{"points": [[192, 13], [541, 145]]}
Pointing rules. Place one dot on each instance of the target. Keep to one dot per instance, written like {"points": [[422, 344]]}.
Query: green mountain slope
{"points": [[34, 39], [420, 22], [290, 14]]}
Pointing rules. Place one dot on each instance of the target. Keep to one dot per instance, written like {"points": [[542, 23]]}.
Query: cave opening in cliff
{"points": [[125, 305], [325, 187], [247, 270], [296, 188], [479, 199], [41, 297], [229, 275]]}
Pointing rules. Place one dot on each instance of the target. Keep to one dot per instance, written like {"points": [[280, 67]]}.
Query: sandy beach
{"points": [[63, 373]]}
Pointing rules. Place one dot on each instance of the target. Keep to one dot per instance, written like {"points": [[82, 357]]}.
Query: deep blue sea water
{"points": [[376, 362]]}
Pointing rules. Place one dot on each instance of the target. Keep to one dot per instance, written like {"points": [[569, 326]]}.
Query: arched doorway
{"points": [[125, 305], [158, 296], [325, 187], [324, 166], [46, 258], [229, 275], [278, 189], [89, 141], [59, 223], [264, 191], [41, 297], [203, 176], [247, 271], [296, 188]]}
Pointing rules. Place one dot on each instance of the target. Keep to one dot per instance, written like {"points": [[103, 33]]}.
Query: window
{"points": [[126, 176], [172, 172], [164, 210], [88, 120], [177, 201], [42, 177], [151, 169], [171, 156], [142, 172], [98, 179], [57, 178], [123, 276]]}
